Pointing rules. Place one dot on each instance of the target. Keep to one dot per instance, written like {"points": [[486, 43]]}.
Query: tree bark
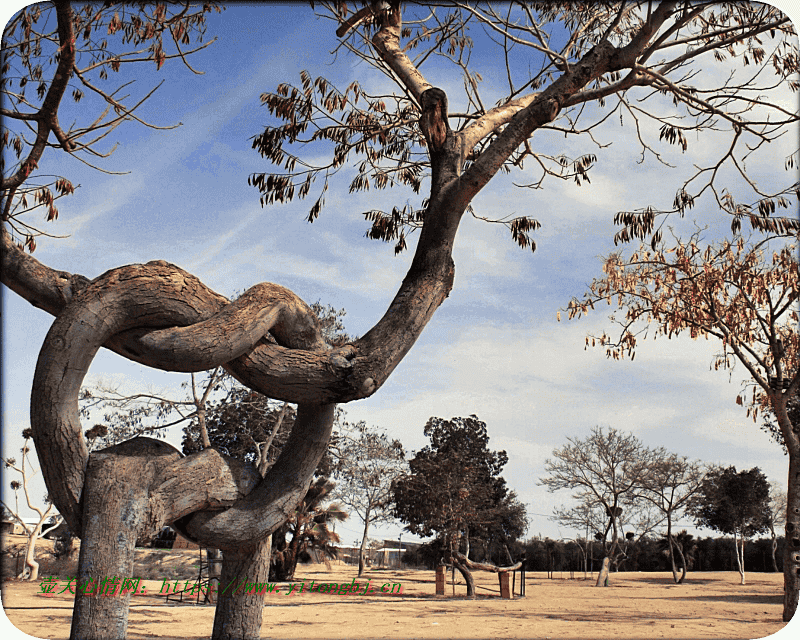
{"points": [[602, 576], [214, 557], [31, 569], [673, 546], [773, 547], [116, 513], [240, 602], [611, 551], [791, 557], [464, 564]]}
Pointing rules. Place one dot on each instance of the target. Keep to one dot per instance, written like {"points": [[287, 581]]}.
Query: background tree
{"points": [[628, 53], [739, 294], [367, 462], [309, 527], [38, 530], [150, 413], [638, 520], [777, 518], [454, 490], [734, 503], [606, 471], [670, 486]]}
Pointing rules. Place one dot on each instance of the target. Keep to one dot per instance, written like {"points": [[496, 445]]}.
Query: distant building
{"points": [[11, 527], [381, 554]]}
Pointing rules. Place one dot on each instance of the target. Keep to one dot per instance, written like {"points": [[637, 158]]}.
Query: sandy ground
{"points": [[636, 605]]}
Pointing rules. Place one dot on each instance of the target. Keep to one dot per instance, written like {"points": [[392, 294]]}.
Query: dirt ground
{"points": [[636, 605]]}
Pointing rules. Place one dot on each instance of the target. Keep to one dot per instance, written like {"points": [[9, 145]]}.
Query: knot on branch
{"points": [[433, 120], [202, 331], [554, 108]]}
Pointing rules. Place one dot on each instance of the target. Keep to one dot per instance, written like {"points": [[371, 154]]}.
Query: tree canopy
{"points": [[736, 292], [454, 490], [736, 503], [367, 463], [594, 63]]}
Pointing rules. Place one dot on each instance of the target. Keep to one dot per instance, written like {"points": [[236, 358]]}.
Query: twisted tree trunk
{"points": [[160, 316], [464, 565], [240, 600]]}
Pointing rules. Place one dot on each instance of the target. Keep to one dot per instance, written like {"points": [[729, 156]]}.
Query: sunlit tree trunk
{"points": [[739, 554], [31, 570], [602, 576], [773, 547], [363, 543], [679, 549], [116, 512], [467, 574], [240, 601]]}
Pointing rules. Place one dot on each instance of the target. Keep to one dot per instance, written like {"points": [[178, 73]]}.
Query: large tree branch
{"points": [[387, 42], [47, 116]]}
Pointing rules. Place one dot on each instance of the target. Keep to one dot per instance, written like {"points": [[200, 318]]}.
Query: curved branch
{"points": [[47, 116]]}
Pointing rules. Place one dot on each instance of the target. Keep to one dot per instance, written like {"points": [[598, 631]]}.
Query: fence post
{"points": [[505, 586], [440, 579]]}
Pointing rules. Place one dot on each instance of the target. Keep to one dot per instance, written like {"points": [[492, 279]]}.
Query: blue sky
{"points": [[493, 349]]}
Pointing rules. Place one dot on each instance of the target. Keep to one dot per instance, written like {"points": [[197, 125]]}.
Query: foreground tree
{"points": [[607, 472], [736, 504], [454, 489], [748, 300], [367, 464], [161, 316], [38, 530]]}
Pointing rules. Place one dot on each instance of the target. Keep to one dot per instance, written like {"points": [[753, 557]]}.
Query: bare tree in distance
{"points": [[606, 471], [31, 569], [622, 58], [777, 517], [147, 413], [367, 464], [671, 485]]}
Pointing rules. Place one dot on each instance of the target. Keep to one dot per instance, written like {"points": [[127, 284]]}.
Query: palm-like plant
{"points": [[309, 527]]}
